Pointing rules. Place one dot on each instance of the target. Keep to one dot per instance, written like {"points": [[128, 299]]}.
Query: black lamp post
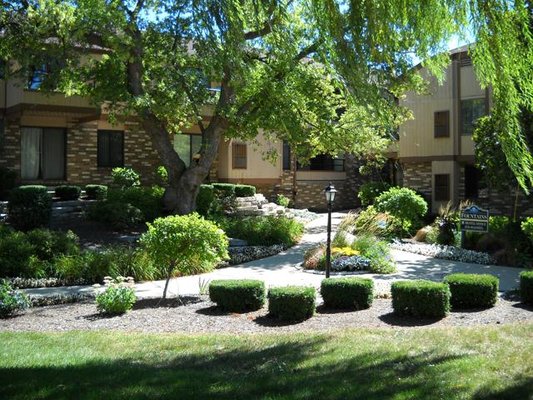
{"points": [[330, 193]]}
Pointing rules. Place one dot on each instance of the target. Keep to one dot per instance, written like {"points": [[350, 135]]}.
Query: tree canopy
{"points": [[322, 74]]}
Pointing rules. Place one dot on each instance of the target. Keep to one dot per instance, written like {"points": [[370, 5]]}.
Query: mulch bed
{"points": [[199, 315]]}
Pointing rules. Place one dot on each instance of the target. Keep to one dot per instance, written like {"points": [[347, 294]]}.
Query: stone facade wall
{"points": [[82, 153], [10, 146], [418, 176]]}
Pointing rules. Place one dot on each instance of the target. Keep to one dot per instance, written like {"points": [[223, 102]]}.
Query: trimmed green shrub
{"points": [[48, 244], [402, 203], [118, 297], [349, 293], [187, 244], [263, 231], [96, 192], [125, 177], [29, 207], [11, 301], [472, 290], [421, 298], [8, 180], [244, 190], [205, 198], [224, 189], [292, 303], [68, 192], [237, 295], [369, 191], [526, 287]]}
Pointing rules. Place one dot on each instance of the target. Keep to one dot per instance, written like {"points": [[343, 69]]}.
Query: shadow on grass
{"points": [[302, 369], [521, 390]]}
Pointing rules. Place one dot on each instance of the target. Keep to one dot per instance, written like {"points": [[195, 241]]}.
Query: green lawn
{"points": [[480, 363]]}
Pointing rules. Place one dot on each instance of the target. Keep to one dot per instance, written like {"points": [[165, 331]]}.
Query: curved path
{"points": [[283, 269]]}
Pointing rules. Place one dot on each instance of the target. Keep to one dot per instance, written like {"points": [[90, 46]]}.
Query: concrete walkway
{"points": [[283, 269]]}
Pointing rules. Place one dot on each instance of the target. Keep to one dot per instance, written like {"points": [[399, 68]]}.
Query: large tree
{"points": [[321, 74]]}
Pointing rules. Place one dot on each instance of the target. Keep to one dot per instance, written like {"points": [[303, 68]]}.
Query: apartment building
{"points": [[436, 150], [50, 139]]}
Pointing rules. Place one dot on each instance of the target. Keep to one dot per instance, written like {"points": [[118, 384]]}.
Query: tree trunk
{"points": [[184, 183]]}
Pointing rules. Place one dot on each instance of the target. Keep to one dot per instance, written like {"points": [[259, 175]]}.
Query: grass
{"points": [[454, 363]]}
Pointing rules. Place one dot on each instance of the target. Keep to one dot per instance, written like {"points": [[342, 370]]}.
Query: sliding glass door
{"points": [[43, 153]]}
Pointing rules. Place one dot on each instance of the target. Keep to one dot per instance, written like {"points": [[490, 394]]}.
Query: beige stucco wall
{"points": [[469, 84], [417, 135], [257, 166]]}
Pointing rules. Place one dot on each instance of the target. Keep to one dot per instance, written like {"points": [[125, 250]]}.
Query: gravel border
{"points": [[199, 315]]}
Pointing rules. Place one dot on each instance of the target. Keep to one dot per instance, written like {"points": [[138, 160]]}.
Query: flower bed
{"points": [[444, 252]]}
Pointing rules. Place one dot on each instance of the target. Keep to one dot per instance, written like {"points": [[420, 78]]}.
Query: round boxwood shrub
{"points": [[368, 192], [68, 192], [29, 207], [244, 190], [526, 287], [292, 303], [349, 293], [402, 203], [472, 290], [237, 295], [421, 298], [96, 192]]}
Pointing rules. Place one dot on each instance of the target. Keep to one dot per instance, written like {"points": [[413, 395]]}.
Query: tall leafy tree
{"points": [[158, 56], [321, 74]]}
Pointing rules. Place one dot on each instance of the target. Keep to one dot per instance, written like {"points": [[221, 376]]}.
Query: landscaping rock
{"points": [[444, 252]]}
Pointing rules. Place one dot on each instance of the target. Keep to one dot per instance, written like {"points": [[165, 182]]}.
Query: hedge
{"points": [[96, 192], [421, 298], [526, 287], [226, 189], [472, 290], [244, 190], [349, 293], [292, 303], [68, 192], [237, 295], [29, 207], [205, 198]]}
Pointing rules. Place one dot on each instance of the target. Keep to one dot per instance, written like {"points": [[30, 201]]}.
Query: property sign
{"points": [[474, 219]]}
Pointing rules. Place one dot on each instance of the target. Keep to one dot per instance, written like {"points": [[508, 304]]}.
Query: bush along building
{"points": [[436, 150], [50, 139]]}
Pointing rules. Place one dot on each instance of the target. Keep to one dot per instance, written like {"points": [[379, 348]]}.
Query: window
{"points": [[39, 73], [442, 187], [441, 121], [42, 153], [187, 146], [286, 156], [324, 162], [471, 110], [110, 148], [238, 151]]}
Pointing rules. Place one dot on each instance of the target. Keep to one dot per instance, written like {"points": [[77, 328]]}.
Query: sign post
{"points": [[473, 219]]}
